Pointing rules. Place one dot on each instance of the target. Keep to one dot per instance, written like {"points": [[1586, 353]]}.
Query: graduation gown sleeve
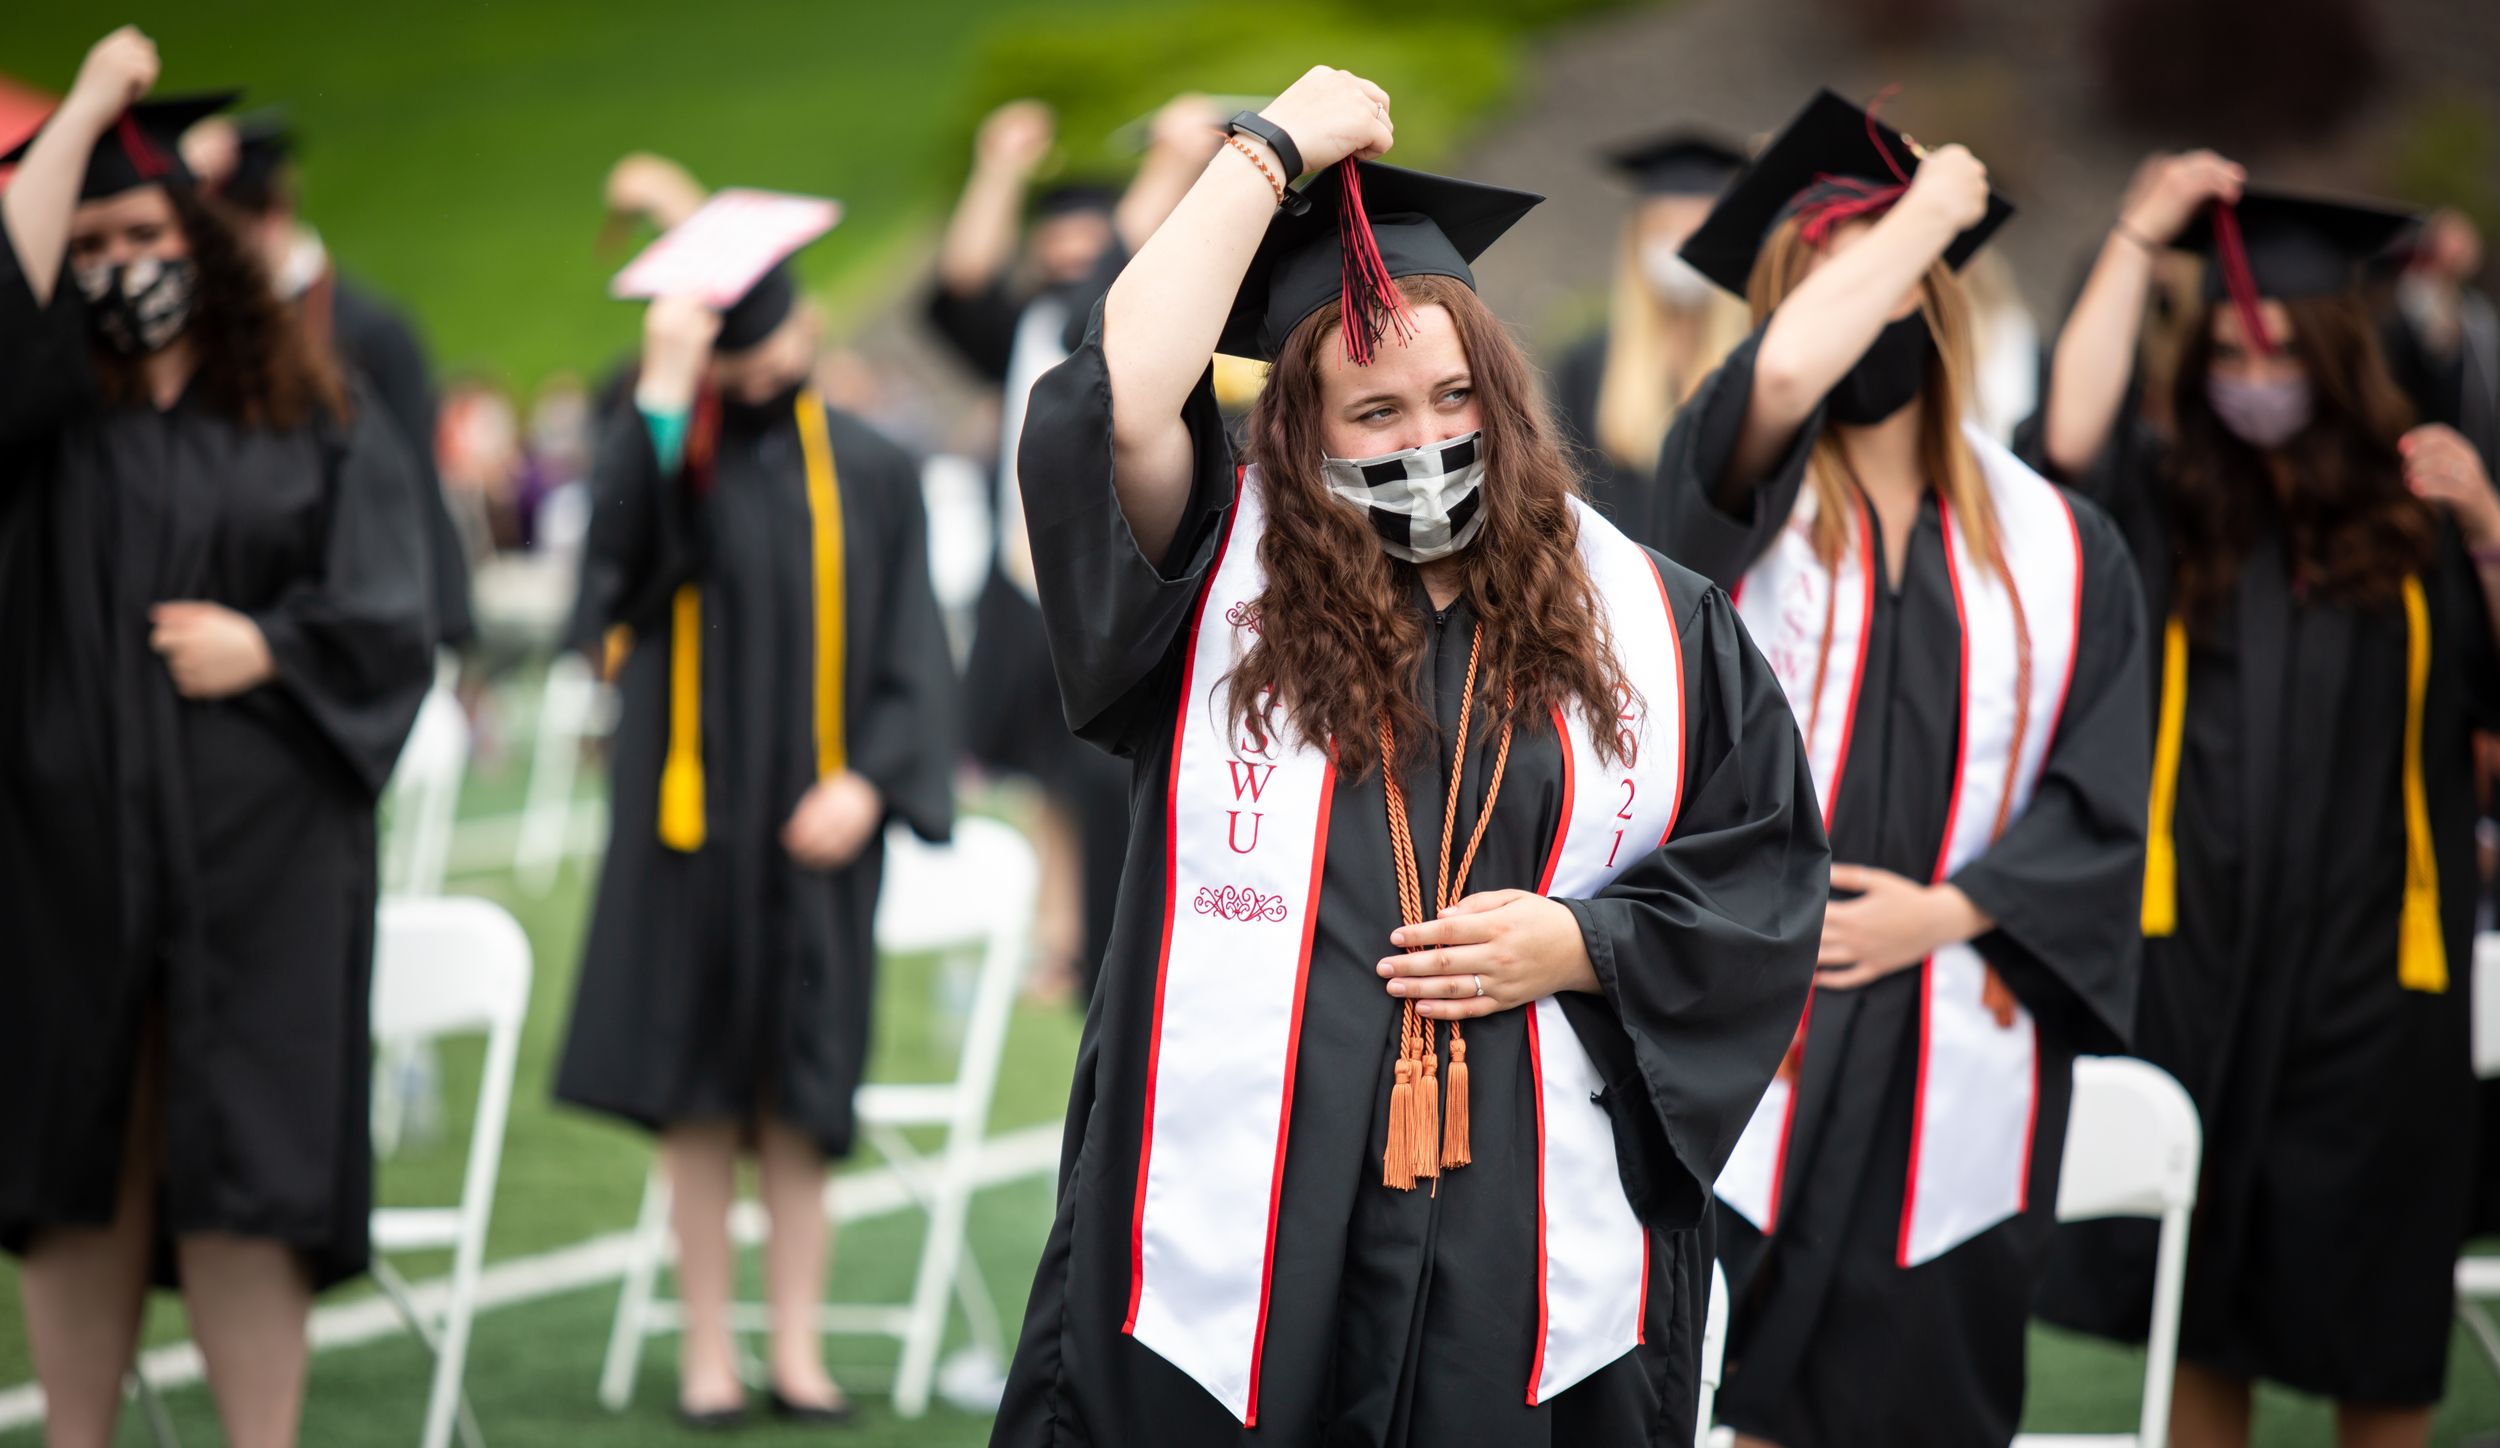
{"points": [[374, 336], [353, 643], [2065, 882], [1705, 949], [45, 370], [1686, 520], [903, 724], [641, 540], [1112, 613]]}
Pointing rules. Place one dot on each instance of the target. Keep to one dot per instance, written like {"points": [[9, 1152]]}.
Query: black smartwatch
{"points": [[1260, 128]]}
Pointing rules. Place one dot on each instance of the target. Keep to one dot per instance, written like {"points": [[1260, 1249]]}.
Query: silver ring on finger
{"points": [[1479, 986]]}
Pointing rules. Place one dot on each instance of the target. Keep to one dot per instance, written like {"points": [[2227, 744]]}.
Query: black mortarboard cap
{"points": [[1425, 225], [144, 148], [2298, 246], [264, 142], [1679, 163], [1828, 139], [1067, 198], [752, 317]]}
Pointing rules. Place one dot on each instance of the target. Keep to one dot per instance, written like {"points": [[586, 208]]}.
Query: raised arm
{"points": [[1186, 132], [2095, 354], [1823, 327], [41, 198], [980, 239], [1164, 314]]}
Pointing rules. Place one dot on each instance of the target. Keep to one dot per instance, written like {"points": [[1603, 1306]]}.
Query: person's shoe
{"points": [[835, 1414], [716, 1420]]}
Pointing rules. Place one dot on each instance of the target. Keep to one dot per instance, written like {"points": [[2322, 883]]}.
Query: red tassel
{"points": [[1368, 296], [2231, 254], [148, 161]]}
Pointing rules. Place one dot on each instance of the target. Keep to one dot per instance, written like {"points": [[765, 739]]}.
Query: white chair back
{"points": [[446, 965], [2132, 1142], [2487, 1005], [424, 795]]}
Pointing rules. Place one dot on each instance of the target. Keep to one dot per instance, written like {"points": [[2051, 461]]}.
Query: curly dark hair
{"points": [[2352, 528], [1340, 642], [258, 364]]}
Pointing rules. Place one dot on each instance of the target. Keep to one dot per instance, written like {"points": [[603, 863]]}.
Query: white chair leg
{"points": [[160, 1423], [633, 1301], [555, 754], [451, 1357], [939, 1256]]}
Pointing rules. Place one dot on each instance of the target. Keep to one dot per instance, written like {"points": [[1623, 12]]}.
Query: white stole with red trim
{"points": [[1978, 1086], [1248, 835]]}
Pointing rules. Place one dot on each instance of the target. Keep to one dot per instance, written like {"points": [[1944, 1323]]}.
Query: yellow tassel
{"points": [[824, 515], [2161, 859], [1427, 1119], [681, 777], [1454, 1147], [1397, 1166], [2421, 950]]}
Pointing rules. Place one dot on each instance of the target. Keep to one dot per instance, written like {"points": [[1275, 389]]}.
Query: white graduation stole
{"points": [[1978, 1081], [1248, 838]]}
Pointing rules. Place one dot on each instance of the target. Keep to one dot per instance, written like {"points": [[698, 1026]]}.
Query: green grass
{"points": [[455, 149]]}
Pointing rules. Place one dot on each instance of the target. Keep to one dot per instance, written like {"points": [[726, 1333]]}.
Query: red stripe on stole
{"points": [[1675, 635], [1952, 817], [1293, 1056], [1536, 1073], [1171, 898], [1570, 802]]}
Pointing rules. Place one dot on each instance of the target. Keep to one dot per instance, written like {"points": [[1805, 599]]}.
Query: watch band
{"points": [[1259, 127]]}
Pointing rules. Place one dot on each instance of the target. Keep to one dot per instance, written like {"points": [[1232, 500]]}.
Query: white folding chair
{"points": [[573, 706], [2133, 1149], [450, 966], [974, 895], [2478, 1278], [443, 966], [424, 793]]}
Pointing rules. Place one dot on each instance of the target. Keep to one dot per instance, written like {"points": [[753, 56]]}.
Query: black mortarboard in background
{"points": [[2298, 246], [1068, 198], [1827, 150], [264, 146], [1424, 225], [144, 148], [1679, 163]]}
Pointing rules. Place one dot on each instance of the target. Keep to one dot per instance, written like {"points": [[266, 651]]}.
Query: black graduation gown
{"points": [[2338, 1106], [1014, 724], [717, 980], [372, 336], [1408, 1317], [210, 862], [1832, 1341]]}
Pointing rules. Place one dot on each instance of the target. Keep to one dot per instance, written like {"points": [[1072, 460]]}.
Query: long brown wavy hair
{"points": [[256, 364], [1340, 642], [2352, 529]]}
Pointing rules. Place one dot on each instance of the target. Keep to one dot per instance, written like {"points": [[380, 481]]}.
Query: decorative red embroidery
{"points": [[1244, 614], [1244, 905]]}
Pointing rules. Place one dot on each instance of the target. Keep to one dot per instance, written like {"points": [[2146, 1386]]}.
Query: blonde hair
{"points": [[1644, 381], [1944, 454]]}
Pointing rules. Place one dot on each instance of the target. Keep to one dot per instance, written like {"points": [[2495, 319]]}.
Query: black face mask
{"points": [[1886, 379], [746, 417]]}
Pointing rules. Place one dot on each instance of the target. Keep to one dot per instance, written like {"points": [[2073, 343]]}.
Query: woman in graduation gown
{"points": [[1666, 328], [211, 566], [2327, 578], [1291, 1209], [787, 693], [1965, 644]]}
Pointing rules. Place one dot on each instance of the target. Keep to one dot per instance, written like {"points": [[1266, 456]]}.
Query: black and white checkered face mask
{"points": [[1425, 502]]}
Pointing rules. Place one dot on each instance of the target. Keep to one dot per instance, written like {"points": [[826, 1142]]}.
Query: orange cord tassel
{"points": [[1397, 1166], [1428, 1118], [1454, 1149]]}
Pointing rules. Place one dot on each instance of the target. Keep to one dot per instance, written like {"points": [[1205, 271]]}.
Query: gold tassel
{"points": [[2421, 950], [681, 778], [2161, 858], [1454, 1147], [1427, 1118], [1397, 1166]]}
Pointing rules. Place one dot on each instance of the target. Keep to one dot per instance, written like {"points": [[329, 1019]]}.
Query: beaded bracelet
{"points": [[1253, 158]]}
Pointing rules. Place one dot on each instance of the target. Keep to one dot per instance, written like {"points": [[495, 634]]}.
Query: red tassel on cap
{"points": [[2231, 254], [1855, 197], [1368, 296], [148, 161]]}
